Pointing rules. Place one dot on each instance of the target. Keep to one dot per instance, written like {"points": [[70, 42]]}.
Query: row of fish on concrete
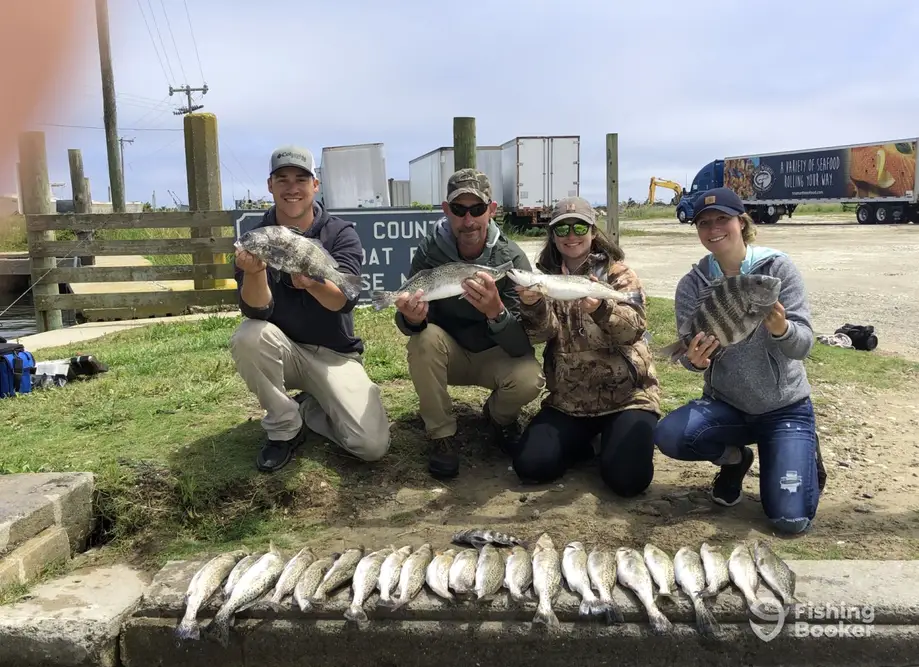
{"points": [[488, 562], [730, 309]]}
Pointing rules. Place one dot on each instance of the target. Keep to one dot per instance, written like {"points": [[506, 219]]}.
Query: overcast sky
{"points": [[682, 82]]}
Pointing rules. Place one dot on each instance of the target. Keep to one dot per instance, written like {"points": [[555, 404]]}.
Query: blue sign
{"points": [[389, 237]]}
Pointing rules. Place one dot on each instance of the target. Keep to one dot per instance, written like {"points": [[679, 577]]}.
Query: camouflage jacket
{"points": [[597, 363]]}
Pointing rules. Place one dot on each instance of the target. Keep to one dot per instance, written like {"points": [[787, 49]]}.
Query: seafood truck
{"points": [[880, 179]]}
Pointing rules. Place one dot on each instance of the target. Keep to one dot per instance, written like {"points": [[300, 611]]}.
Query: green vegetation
{"points": [[171, 433]]}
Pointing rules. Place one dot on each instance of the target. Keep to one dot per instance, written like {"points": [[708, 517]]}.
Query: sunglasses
{"points": [[475, 210], [580, 229]]}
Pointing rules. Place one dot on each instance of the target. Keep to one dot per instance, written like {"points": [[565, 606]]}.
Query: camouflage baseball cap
{"points": [[469, 181], [573, 207]]}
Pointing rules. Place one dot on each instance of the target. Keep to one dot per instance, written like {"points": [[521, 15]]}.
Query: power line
{"points": [[156, 26], [132, 129], [193, 40], [153, 41], [172, 35]]}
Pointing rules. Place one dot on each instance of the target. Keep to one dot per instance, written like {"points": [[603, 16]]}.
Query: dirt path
{"points": [[863, 274]]}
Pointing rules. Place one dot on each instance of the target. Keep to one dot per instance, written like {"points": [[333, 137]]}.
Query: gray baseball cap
{"points": [[293, 156]]}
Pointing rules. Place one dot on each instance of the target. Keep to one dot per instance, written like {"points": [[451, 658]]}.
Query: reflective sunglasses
{"points": [[580, 228], [475, 210]]}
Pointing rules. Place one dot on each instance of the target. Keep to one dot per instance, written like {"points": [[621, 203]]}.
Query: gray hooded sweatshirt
{"points": [[764, 372]]}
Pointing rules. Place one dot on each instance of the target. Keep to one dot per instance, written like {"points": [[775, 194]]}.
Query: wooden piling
{"points": [[36, 200], [79, 186], [612, 186], [464, 142]]}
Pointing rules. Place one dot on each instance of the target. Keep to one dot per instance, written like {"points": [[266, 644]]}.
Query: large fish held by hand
{"points": [[730, 309], [441, 282], [570, 287], [284, 249]]}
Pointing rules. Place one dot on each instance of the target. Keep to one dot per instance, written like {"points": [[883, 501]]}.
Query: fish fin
{"points": [[275, 605], [351, 286], [705, 620], [219, 628], [356, 614], [381, 300], [545, 615], [328, 255], [188, 628], [674, 351], [660, 624], [634, 297], [504, 268]]}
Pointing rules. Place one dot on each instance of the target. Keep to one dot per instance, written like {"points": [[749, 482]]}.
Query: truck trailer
{"points": [[429, 173], [879, 178], [537, 173], [354, 176]]}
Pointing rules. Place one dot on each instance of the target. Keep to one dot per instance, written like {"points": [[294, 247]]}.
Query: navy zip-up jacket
{"points": [[295, 311]]}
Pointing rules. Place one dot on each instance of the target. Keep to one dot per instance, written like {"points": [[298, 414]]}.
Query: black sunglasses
{"points": [[580, 228], [475, 210]]}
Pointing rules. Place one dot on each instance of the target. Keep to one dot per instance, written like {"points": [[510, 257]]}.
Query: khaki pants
{"points": [[435, 360], [343, 404]]}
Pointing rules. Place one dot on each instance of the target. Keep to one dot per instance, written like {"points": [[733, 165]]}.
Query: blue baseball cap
{"points": [[719, 199]]}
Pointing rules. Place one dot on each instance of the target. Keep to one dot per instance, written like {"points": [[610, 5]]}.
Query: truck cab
{"points": [[710, 176]]}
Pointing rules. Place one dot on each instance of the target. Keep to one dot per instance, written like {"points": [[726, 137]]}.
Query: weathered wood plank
{"points": [[100, 221], [132, 247], [124, 274], [176, 300]]}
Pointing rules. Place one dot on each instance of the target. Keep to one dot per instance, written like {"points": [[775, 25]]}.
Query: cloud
{"points": [[681, 82]]}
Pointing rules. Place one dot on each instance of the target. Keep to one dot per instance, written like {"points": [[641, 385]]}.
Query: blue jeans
{"points": [[786, 440]]}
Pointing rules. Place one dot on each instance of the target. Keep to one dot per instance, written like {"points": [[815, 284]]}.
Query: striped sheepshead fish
{"points": [[730, 309]]}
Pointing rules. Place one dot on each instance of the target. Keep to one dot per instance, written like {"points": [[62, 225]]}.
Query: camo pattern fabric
{"points": [[597, 363], [469, 181]]}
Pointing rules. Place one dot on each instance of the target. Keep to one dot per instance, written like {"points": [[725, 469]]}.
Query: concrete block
{"points": [[26, 562], [501, 632], [32, 502], [73, 621]]}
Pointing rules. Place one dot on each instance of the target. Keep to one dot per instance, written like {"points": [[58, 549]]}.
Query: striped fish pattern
{"points": [[731, 309]]}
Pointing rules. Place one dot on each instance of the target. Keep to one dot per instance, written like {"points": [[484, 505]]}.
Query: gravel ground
{"points": [[854, 273]]}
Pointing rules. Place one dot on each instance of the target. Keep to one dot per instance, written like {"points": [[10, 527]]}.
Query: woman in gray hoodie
{"points": [[757, 391]]}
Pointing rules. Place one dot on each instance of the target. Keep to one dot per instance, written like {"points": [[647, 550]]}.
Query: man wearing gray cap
{"points": [[476, 341], [299, 333]]}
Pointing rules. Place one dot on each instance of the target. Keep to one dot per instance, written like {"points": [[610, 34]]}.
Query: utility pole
{"points": [[188, 91], [122, 141], [115, 169]]}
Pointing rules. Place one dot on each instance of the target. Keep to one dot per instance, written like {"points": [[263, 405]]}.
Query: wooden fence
{"points": [[204, 246]]}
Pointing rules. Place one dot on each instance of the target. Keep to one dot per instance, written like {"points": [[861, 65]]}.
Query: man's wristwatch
{"points": [[500, 318]]}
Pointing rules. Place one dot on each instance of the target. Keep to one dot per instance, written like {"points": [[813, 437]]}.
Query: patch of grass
{"points": [[172, 432], [13, 234]]}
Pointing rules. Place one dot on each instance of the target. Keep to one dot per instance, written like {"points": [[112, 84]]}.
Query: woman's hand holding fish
{"points": [[700, 349], [413, 309], [527, 296], [775, 321], [484, 296], [249, 263], [589, 304]]}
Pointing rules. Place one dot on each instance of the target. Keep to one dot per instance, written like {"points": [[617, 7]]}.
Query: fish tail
{"points": [[381, 300], [188, 628], [674, 351], [351, 286], [708, 592], [356, 614], [545, 615], [660, 624], [305, 605], [220, 628], [589, 603], [634, 297], [705, 620], [275, 604]]}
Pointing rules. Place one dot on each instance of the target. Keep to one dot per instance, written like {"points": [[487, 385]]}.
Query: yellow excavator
{"points": [[661, 183]]}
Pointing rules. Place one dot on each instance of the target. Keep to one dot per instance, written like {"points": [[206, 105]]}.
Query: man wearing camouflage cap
{"points": [[475, 341]]}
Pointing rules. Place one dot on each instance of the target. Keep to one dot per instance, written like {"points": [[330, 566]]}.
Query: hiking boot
{"points": [[275, 454], [727, 487], [821, 471], [506, 436], [443, 458]]}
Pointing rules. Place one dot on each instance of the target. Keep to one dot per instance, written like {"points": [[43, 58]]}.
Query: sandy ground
{"points": [[870, 439]]}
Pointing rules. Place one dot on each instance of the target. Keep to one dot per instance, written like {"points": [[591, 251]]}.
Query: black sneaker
{"points": [[727, 487], [443, 459], [275, 454], [506, 437]]}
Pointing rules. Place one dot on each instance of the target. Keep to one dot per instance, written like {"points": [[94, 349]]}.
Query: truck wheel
{"points": [[882, 214], [864, 214], [681, 216]]}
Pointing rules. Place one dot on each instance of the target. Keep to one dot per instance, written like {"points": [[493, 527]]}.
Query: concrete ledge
{"points": [[73, 621], [28, 560], [276, 643], [33, 502]]}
